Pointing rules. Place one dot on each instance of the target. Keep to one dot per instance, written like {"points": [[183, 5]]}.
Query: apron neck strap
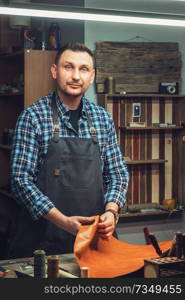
{"points": [[92, 130], [56, 122], [55, 118]]}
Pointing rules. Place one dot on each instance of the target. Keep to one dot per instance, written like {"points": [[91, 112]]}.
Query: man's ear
{"points": [[92, 76], [54, 71]]}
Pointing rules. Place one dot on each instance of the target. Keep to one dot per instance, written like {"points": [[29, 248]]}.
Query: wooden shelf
{"points": [[5, 193], [5, 147], [10, 94], [131, 95], [150, 214], [12, 54], [142, 162], [128, 128], [140, 214]]}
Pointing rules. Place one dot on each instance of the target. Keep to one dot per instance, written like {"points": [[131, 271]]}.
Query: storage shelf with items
{"points": [[152, 143], [11, 105], [25, 77], [10, 94]]}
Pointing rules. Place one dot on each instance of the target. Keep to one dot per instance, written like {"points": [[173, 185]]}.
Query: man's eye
{"points": [[68, 67], [84, 69]]}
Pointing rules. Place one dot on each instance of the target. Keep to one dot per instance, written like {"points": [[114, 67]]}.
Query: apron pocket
{"points": [[77, 172]]}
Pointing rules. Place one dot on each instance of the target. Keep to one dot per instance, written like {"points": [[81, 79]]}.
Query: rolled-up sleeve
{"points": [[24, 161]]}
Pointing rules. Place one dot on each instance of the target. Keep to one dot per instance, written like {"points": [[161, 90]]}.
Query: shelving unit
{"points": [[34, 65], [142, 162], [10, 94], [148, 128], [154, 155]]}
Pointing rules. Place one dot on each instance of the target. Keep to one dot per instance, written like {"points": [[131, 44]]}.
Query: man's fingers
{"points": [[86, 220], [106, 237], [106, 229], [102, 218], [104, 225]]}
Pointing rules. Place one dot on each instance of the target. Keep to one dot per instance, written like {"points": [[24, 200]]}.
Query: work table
{"points": [[24, 267]]}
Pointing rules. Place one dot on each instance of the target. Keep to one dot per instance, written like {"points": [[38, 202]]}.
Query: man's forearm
{"points": [[56, 217], [70, 224]]}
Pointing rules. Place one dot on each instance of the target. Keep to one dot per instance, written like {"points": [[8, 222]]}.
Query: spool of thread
{"points": [[39, 264], [84, 272], [53, 266]]}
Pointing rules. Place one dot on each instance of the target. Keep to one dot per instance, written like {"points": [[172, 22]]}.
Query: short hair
{"points": [[76, 47]]}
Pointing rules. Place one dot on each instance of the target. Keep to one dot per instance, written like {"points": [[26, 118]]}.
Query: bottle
{"points": [[54, 39], [43, 46]]}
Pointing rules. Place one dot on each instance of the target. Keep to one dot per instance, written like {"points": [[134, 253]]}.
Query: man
{"points": [[66, 164]]}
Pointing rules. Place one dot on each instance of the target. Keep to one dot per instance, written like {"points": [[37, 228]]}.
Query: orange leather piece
{"points": [[110, 258]]}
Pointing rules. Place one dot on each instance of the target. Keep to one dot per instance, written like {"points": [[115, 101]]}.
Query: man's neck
{"points": [[71, 102]]}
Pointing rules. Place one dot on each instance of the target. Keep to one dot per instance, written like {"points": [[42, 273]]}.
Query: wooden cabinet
{"points": [[37, 74], [154, 155], [26, 77]]}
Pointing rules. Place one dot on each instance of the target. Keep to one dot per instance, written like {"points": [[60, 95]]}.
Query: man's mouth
{"points": [[74, 84]]}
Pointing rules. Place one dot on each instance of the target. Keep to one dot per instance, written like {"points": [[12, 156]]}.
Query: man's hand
{"points": [[106, 225], [72, 224]]}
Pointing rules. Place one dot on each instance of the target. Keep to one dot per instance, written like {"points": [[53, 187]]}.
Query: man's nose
{"points": [[76, 74]]}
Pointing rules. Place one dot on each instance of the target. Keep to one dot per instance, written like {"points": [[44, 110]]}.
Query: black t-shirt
{"points": [[74, 116]]}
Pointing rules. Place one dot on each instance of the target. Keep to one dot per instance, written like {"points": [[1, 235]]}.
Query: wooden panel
{"points": [[143, 145], [161, 151], [168, 151], [143, 191], [138, 67], [152, 182], [136, 171], [122, 139], [149, 151], [116, 114], [155, 152], [109, 107], [38, 81]]}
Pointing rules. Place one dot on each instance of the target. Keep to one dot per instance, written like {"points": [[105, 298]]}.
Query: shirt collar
{"points": [[63, 109]]}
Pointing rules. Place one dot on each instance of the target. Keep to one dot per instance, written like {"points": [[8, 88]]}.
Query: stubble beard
{"points": [[68, 94]]}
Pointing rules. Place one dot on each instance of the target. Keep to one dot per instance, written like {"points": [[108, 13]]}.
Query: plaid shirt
{"points": [[33, 132]]}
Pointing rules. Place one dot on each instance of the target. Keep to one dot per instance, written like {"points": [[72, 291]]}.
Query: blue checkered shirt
{"points": [[33, 132]]}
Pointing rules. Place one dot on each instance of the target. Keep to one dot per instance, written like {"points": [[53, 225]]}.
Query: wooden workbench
{"points": [[23, 267]]}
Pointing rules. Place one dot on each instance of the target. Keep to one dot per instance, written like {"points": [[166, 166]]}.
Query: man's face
{"points": [[74, 73]]}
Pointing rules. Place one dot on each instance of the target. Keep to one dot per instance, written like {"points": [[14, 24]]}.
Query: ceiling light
{"points": [[87, 14]]}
